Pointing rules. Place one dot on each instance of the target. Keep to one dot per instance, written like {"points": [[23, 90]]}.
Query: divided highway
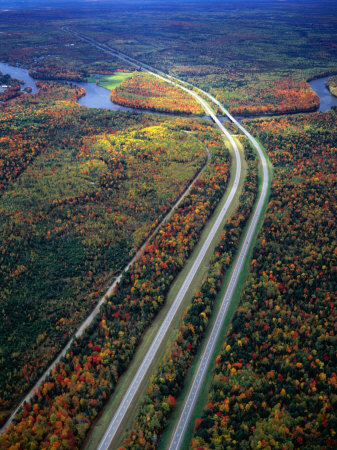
{"points": [[178, 435], [143, 371], [180, 429]]}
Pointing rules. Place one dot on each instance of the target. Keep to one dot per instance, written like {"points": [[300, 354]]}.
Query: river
{"points": [[19, 74], [96, 96], [326, 99], [99, 97]]}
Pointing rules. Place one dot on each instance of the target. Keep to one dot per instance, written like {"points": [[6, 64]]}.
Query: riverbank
{"points": [[99, 97]]}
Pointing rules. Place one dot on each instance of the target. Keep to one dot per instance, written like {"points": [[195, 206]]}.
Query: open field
{"points": [[110, 81]]}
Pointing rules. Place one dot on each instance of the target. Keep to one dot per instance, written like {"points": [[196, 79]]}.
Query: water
{"points": [[19, 74], [99, 97], [95, 97], [327, 100]]}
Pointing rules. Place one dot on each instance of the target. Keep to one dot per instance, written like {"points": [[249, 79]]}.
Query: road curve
{"points": [[197, 382], [95, 311], [143, 369]]}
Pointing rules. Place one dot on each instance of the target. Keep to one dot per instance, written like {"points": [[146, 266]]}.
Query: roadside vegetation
{"points": [[82, 382], [80, 191], [275, 385], [168, 380]]}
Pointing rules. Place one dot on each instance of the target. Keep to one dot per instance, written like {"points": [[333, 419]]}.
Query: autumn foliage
{"points": [[275, 383], [168, 381], [12, 88], [144, 91], [332, 85], [69, 400], [56, 72], [81, 189], [285, 95]]}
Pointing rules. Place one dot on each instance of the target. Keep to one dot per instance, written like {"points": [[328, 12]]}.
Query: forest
{"points": [[268, 97], [80, 191], [332, 85], [274, 385], [144, 91], [104, 155], [10, 87], [256, 59]]}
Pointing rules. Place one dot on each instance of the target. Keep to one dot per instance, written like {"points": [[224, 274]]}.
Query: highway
{"points": [[179, 432], [199, 376], [189, 403], [143, 370]]}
